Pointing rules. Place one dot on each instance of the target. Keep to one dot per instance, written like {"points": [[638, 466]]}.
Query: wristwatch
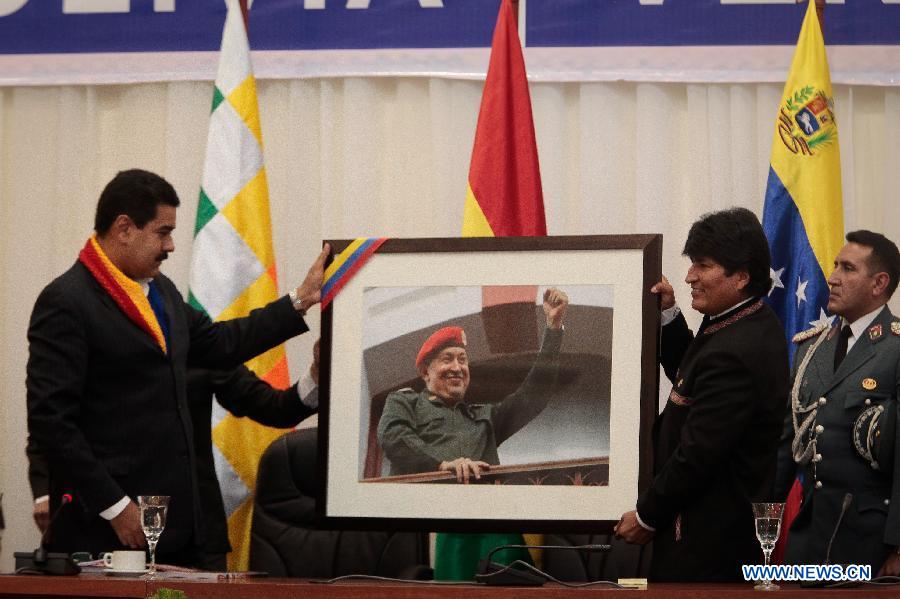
{"points": [[297, 302]]}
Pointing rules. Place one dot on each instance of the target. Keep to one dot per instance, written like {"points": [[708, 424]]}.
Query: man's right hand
{"points": [[41, 514], [665, 292], [128, 527], [464, 468]]}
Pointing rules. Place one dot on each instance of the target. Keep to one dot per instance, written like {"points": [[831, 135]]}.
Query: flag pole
{"points": [[820, 12], [246, 14]]}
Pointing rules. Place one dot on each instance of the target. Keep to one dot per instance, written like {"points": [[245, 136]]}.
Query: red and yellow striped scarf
{"points": [[126, 292]]}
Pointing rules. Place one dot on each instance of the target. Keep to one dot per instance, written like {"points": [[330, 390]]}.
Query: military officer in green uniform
{"points": [[840, 432], [437, 430]]}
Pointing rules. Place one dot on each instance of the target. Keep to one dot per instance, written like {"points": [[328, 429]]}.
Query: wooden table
{"points": [[99, 586]]}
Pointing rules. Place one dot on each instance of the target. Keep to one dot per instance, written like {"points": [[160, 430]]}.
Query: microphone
{"points": [[494, 574], [848, 499], [40, 561], [845, 505]]}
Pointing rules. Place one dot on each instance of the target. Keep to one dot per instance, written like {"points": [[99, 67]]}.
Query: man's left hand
{"points": [[556, 303], [891, 566], [631, 530]]}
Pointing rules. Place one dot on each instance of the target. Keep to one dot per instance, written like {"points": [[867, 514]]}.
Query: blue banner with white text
{"points": [[73, 26], [48, 41]]}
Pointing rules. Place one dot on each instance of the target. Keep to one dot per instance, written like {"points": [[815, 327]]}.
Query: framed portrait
{"points": [[490, 384]]}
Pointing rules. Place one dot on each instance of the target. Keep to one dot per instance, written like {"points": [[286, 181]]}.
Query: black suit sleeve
{"points": [[786, 468], [228, 343], [56, 377], [243, 393], [675, 339], [724, 399]]}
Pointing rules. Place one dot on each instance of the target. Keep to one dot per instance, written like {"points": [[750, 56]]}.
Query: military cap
{"points": [[441, 338]]}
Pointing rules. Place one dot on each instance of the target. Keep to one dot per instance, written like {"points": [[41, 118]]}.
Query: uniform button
{"points": [[887, 502], [822, 401], [820, 429], [868, 402], [817, 457], [818, 484]]}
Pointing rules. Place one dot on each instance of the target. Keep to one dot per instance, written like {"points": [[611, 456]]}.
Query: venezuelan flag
{"points": [[803, 213]]}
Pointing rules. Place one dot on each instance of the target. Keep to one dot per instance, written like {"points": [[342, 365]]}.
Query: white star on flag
{"points": [[776, 279], [823, 319], [801, 291]]}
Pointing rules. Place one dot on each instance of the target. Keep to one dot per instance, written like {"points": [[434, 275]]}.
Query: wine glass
{"points": [[768, 527], [153, 521]]}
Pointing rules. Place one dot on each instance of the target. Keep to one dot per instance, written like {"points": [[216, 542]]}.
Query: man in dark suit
{"points": [[715, 442], [841, 432], [109, 345], [240, 392]]}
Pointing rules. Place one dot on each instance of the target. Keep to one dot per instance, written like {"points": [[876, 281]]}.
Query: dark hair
{"points": [[735, 239], [136, 194], [884, 258]]}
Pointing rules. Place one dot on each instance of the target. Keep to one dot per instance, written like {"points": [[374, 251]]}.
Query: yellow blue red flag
{"points": [[803, 216], [803, 213]]}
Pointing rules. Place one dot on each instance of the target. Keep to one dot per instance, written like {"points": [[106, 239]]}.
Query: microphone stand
{"points": [[848, 499], [40, 561]]}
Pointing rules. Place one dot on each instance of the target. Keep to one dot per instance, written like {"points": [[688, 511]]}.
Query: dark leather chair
{"points": [[622, 561], [285, 541]]}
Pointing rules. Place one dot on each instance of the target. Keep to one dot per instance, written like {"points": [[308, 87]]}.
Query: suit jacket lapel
{"points": [[111, 305]]}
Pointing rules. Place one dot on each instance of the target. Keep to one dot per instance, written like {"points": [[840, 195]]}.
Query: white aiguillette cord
{"points": [[801, 454]]}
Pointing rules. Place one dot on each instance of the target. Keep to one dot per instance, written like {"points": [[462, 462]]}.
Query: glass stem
{"points": [[152, 557]]}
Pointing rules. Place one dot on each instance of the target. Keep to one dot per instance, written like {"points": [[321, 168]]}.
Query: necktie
{"points": [[156, 303], [841, 349]]}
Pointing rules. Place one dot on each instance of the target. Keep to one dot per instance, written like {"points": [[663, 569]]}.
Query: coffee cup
{"points": [[125, 561]]}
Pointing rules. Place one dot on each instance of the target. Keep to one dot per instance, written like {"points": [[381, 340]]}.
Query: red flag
{"points": [[504, 194]]}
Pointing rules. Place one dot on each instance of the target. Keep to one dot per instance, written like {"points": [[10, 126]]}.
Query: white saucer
{"points": [[126, 573]]}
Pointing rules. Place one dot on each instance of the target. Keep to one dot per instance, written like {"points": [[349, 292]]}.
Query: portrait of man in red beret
{"points": [[435, 429]]}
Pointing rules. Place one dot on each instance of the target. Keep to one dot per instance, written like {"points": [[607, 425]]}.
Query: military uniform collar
{"points": [[859, 326]]}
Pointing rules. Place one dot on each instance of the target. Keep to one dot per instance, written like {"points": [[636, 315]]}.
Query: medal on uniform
{"points": [[869, 384]]}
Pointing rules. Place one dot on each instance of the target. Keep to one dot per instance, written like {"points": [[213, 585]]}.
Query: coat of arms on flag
{"points": [[806, 121]]}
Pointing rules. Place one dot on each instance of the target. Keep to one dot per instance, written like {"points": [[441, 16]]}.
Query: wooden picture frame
{"points": [[577, 465]]}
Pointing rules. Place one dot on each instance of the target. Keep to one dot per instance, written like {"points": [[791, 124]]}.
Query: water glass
{"points": [[153, 521], [768, 527]]}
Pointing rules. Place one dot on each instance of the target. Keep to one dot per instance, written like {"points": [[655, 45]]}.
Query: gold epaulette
{"points": [[809, 333]]}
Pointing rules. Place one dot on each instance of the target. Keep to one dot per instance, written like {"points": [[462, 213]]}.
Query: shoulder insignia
{"points": [[875, 332], [895, 328], [809, 333]]}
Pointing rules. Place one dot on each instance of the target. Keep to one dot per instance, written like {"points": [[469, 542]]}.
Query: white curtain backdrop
{"points": [[389, 156]]}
